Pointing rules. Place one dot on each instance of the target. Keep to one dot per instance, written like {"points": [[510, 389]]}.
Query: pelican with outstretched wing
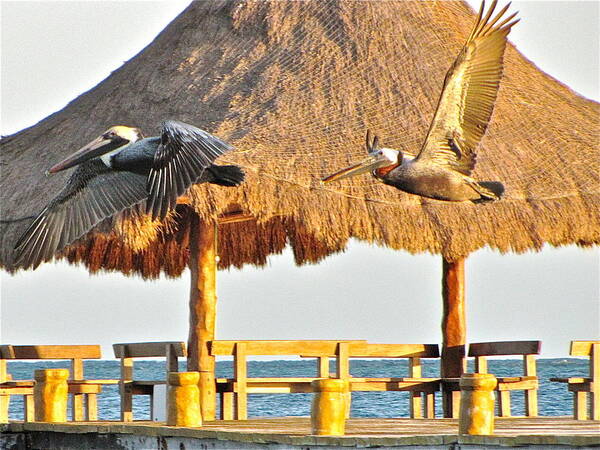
{"points": [[442, 168], [118, 170]]}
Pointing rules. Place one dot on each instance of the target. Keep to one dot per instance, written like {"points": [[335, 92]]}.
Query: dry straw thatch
{"points": [[294, 86]]}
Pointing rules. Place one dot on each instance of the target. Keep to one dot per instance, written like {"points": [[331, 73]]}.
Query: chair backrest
{"points": [[526, 349], [320, 349], [583, 348], [307, 348], [590, 349], [75, 353], [412, 352], [171, 350]]}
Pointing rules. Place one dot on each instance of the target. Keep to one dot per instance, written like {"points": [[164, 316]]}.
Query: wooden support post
{"points": [[240, 373], [531, 401], [415, 371], [125, 389], [453, 330], [203, 302], [77, 399]]}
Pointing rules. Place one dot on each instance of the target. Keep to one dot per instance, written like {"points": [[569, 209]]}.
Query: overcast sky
{"points": [[53, 51]]}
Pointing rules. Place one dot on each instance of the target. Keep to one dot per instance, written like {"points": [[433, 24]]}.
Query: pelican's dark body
{"points": [[438, 183], [137, 157], [117, 171]]}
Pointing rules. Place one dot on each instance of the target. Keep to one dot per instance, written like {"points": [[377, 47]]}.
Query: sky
{"points": [[54, 51]]}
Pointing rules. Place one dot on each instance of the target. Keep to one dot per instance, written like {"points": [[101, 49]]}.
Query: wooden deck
{"points": [[294, 432]]}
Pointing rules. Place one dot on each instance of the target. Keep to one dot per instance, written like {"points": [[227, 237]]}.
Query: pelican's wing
{"points": [[93, 193], [467, 99], [181, 158]]}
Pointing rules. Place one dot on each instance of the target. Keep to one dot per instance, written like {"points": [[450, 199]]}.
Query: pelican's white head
{"points": [[379, 158], [107, 144]]}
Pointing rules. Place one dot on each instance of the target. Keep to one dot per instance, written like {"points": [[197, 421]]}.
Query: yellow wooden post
{"points": [[477, 404], [183, 400], [203, 303], [329, 407], [454, 331], [50, 394]]}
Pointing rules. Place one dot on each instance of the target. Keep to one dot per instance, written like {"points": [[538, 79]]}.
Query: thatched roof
{"points": [[294, 86]]}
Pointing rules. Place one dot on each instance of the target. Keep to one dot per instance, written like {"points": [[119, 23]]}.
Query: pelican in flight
{"points": [[442, 168], [120, 169]]}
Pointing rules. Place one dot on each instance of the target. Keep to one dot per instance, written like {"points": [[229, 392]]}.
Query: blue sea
{"points": [[554, 399]]}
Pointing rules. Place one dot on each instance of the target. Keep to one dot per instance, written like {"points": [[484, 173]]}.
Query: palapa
{"points": [[294, 86]]}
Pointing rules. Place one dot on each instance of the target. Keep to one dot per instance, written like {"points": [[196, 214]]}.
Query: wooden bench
{"points": [[582, 386], [129, 385], [527, 382], [234, 391], [414, 382], [83, 392]]}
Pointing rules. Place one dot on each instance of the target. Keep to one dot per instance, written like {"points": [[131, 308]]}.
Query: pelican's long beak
{"points": [[97, 147], [371, 163]]}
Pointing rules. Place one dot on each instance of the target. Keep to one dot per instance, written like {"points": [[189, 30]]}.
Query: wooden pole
{"points": [[203, 308], [454, 331]]}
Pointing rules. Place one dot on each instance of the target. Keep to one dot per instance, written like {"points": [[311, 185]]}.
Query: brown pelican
{"points": [[118, 170], [442, 167]]}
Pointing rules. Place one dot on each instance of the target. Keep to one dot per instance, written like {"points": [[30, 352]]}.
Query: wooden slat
{"points": [[517, 385], [569, 380], [582, 348], [56, 351], [370, 385], [16, 390], [280, 347], [394, 350], [148, 349], [505, 348]]}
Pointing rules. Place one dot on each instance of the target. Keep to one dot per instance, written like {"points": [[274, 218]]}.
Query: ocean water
{"points": [[554, 399]]}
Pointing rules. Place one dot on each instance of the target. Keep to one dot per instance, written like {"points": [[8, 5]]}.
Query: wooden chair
{"points": [[528, 382], [234, 391], [580, 386], [414, 383], [83, 391], [129, 385]]}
